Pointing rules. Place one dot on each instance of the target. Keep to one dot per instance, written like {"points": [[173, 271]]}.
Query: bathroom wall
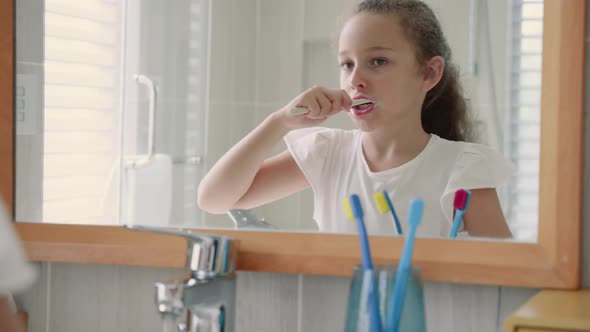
{"points": [[76, 297]]}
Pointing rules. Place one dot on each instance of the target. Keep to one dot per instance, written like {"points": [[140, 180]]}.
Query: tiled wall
{"points": [[72, 297]]}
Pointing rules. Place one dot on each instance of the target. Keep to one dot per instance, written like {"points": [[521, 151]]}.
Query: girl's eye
{"points": [[346, 65], [378, 62]]}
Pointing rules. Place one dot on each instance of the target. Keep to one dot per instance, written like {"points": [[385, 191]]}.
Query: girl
{"points": [[410, 139]]}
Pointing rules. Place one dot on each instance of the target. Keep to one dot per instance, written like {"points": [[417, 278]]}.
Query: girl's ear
{"points": [[433, 71]]}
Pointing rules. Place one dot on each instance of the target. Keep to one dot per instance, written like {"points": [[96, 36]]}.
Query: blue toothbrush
{"points": [[384, 204], [460, 203], [354, 210], [404, 268]]}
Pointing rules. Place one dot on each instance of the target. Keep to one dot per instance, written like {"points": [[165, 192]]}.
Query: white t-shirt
{"points": [[16, 273], [335, 166]]}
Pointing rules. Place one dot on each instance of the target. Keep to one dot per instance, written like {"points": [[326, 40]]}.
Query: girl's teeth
{"points": [[363, 106]]}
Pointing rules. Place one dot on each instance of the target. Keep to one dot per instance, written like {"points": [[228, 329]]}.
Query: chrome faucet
{"points": [[204, 299], [244, 219]]}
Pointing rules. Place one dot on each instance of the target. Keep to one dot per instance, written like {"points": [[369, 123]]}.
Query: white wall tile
{"points": [[136, 309], [233, 46], [279, 51], [218, 142], [29, 31], [323, 18], [306, 221], [34, 301], [267, 302], [323, 303], [320, 64], [104, 297], [243, 23], [241, 121], [282, 213], [460, 308], [29, 151]]}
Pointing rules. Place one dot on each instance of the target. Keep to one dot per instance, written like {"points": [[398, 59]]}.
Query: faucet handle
{"points": [[207, 318], [208, 256]]}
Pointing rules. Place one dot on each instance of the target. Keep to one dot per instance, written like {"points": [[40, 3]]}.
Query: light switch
{"points": [[20, 104], [26, 103]]}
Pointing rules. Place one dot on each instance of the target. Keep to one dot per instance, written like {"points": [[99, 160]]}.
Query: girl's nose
{"points": [[357, 79]]}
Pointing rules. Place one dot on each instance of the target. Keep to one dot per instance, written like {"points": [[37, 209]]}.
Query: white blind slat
{"points": [[93, 10], [59, 165], [63, 73]]}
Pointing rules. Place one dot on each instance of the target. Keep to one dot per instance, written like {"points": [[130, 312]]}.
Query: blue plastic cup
{"points": [[357, 315]]}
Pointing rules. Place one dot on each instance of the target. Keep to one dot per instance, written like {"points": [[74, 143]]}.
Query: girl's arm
{"points": [[278, 177], [484, 216], [232, 175], [242, 178]]}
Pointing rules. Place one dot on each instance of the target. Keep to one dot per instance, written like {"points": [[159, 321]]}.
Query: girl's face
{"points": [[377, 62]]}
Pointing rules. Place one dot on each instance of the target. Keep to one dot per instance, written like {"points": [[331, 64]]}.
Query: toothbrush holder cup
{"points": [[357, 315]]}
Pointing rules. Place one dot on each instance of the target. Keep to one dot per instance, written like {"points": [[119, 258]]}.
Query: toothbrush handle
{"points": [[401, 280], [398, 302], [398, 226], [456, 223], [303, 110], [365, 248], [373, 299]]}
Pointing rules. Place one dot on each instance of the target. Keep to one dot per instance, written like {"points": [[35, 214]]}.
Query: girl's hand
{"points": [[321, 102]]}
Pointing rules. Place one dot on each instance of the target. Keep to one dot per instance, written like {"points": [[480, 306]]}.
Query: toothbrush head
{"points": [[357, 208], [347, 209], [462, 197], [362, 101], [381, 201]]}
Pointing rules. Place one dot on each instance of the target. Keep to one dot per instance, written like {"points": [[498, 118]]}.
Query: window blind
{"points": [[195, 111], [82, 64], [525, 116]]}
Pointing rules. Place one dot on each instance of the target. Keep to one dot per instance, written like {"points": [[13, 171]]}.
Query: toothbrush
{"points": [[303, 110], [384, 204], [354, 210], [462, 197], [404, 268]]}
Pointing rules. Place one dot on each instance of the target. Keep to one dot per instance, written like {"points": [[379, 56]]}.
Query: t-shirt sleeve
{"points": [[16, 273], [478, 167], [310, 147]]}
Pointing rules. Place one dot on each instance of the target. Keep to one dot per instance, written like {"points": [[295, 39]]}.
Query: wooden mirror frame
{"points": [[552, 262]]}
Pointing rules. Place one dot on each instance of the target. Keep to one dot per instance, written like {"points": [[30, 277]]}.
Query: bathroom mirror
{"points": [[551, 261], [220, 68]]}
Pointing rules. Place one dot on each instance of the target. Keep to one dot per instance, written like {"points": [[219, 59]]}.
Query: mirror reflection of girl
{"points": [[410, 141]]}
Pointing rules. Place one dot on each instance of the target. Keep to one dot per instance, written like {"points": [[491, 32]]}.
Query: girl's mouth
{"points": [[363, 109]]}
